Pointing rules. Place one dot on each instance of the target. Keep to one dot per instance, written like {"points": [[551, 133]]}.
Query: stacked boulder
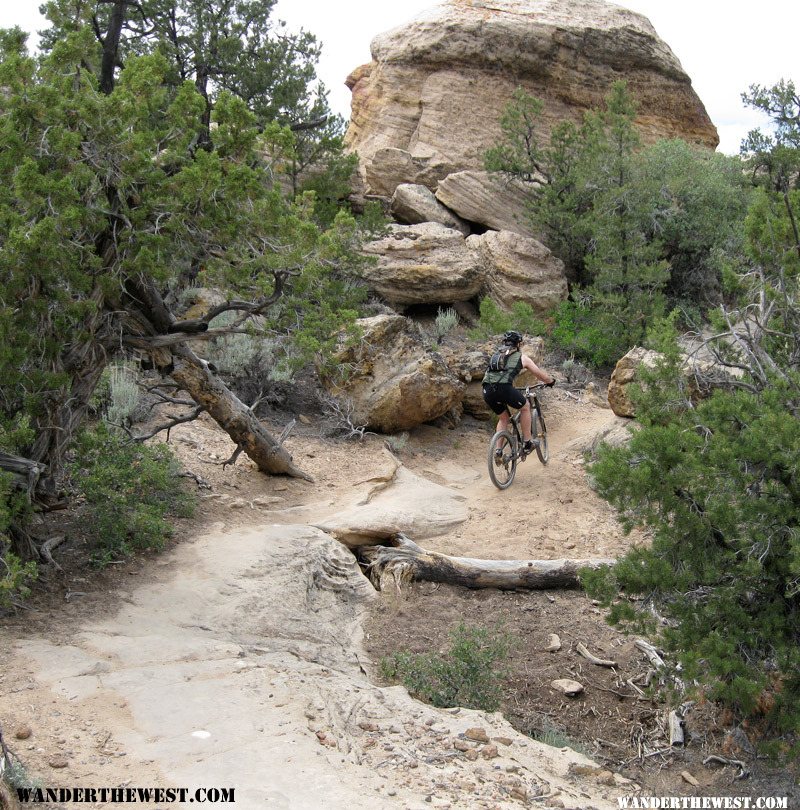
{"points": [[429, 105]]}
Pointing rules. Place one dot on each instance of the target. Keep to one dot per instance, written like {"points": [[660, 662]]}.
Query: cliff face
{"points": [[430, 102]]}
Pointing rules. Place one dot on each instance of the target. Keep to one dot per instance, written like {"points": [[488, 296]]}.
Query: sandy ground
{"points": [[237, 658]]}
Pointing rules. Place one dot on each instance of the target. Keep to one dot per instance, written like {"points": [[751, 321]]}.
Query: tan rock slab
{"points": [[567, 686]]}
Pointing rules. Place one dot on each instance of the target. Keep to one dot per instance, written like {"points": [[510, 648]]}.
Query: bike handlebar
{"points": [[530, 388]]}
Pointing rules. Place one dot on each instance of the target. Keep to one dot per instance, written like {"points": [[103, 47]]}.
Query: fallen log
{"points": [[404, 561]]}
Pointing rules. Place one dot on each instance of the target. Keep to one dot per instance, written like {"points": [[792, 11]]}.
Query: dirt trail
{"points": [[236, 659]]}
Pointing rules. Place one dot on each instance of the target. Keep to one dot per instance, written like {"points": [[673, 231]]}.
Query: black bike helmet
{"points": [[512, 337]]}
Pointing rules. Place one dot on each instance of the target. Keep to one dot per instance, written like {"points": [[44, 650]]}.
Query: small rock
{"points": [[366, 725], [503, 740], [238, 503], [23, 732], [471, 755], [568, 687], [266, 500], [57, 761], [477, 733], [553, 643], [583, 770], [519, 793], [687, 777], [489, 752], [462, 745], [605, 778], [303, 419], [325, 739]]}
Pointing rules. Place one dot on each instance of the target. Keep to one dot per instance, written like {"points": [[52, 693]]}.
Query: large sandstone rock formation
{"points": [[423, 264], [396, 382], [413, 205], [432, 264], [517, 268], [430, 102], [488, 199]]}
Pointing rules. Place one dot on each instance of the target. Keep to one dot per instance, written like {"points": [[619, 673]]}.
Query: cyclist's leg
{"points": [[502, 421], [525, 421]]}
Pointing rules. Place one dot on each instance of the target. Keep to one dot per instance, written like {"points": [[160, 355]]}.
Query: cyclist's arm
{"points": [[534, 369]]}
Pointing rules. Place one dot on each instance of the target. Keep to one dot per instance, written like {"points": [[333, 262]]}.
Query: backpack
{"points": [[504, 365], [499, 359]]}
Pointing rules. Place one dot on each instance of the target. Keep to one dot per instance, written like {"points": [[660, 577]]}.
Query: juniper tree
{"points": [[717, 482], [109, 201]]}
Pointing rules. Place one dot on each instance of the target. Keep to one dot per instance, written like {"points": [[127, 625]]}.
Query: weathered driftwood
{"points": [[404, 561]]}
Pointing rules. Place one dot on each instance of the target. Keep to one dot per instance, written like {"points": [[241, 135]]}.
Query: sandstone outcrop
{"points": [[489, 199], [423, 264], [430, 102], [396, 382], [520, 269], [414, 204], [430, 263], [625, 373]]}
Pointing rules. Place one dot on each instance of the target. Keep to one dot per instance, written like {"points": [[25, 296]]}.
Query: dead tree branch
{"points": [[173, 422]]}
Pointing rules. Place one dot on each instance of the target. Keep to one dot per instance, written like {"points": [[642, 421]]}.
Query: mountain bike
{"points": [[507, 448]]}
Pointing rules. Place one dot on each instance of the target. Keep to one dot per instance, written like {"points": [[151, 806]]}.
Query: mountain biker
{"points": [[499, 391]]}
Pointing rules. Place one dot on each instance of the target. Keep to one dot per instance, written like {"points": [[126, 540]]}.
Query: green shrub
{"points": [[494, 320], [594, 336], [130, 490], [556, 737], [716, 484], [468, 674], [15, 576]]}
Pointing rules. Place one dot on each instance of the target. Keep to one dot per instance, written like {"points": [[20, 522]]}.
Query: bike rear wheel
{"points": [[502, 466], [540, 433]]}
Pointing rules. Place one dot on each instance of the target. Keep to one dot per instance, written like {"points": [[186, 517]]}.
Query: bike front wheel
{"points": [[540, 433], [502, 459]]}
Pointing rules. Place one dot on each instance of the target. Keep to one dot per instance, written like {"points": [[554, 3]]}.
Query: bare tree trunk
{"points": [[405, 561], [231, 414]]}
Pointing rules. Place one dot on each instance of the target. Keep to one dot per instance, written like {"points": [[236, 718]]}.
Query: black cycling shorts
{"points": [[498, 395]]}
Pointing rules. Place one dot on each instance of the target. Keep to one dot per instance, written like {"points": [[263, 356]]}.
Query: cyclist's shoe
{"points": [[527, 447], [498, 456]]}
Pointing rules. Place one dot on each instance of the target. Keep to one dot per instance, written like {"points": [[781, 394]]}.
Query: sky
{"points": [[723, 45]]}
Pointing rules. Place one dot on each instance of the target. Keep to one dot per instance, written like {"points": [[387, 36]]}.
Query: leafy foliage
{"points": [[102, 190], [468, 674], [130, 491], [446, 321]]}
